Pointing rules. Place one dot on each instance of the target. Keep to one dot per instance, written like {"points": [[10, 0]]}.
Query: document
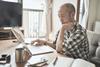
{"points": [[37, 59], [70, 62], [38, 50]]}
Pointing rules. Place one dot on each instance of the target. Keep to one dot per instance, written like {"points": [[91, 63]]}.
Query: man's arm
{"points": [[60, 40], [44, 42], [50, 44]]}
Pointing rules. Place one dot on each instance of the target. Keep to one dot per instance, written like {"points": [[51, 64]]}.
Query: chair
{"points": [[94, 47]]}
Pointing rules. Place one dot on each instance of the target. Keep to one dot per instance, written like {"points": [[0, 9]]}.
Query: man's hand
{"points": [[60, 39], [38, 42], [66, 26]]}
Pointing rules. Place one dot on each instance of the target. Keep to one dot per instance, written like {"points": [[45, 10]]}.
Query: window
{"points": [[36, 20], [36, 24], [11, 0]]}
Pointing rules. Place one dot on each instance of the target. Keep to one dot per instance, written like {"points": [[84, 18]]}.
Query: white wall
{"points": [[36, 4], [25, 22], [98, 10], [92, 14], [56, 6], [11, 0]]}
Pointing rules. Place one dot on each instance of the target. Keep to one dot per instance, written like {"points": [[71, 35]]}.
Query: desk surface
{"points": [[13, 63]]}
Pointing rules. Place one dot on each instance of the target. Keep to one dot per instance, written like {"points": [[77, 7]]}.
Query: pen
{"points": [[55, 61]]}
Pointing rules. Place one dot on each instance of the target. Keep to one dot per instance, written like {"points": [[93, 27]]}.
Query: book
{"points": [[70, 62], [39, 50]]}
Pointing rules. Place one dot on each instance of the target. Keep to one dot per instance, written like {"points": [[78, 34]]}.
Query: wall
{"points": [[98, 10], [92, 14], [25, 22], [56, 6], [33, 4]]}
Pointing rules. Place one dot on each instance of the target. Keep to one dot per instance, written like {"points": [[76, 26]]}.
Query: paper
{"points": [[38, 50], [70, 62], [62, 62], [82, 63], [37, 59]]}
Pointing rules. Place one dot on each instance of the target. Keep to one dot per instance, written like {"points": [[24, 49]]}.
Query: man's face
{"points": [[64, 16]]}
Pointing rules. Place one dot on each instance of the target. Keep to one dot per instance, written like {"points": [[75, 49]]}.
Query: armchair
{"points": [[94, 47]]}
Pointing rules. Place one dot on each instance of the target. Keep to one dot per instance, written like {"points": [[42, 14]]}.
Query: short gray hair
{"points": [[69, 6]]}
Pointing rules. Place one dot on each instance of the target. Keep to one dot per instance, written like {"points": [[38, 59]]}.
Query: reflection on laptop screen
{"points": [[18, 34]]}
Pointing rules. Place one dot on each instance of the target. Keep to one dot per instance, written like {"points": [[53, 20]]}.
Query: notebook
{"points": [[39, 50]]}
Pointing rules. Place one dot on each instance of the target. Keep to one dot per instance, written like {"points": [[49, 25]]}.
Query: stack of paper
{"points": [[38, 50]]}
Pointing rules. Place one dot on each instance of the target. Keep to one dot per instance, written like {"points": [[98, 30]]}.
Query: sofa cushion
{"points": [[98, 52], [93, 38]]}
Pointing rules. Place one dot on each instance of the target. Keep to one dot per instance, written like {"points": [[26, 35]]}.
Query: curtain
{"points": [[49, 16], [85, 15]]}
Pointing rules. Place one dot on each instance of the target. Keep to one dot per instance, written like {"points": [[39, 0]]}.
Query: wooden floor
{"points": [[6, 45]]}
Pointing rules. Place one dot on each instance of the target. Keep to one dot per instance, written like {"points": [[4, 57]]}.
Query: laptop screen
{"points": [[18, 34]]}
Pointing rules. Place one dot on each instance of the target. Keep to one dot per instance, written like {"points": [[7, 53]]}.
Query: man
{"points": [[71, 39]]}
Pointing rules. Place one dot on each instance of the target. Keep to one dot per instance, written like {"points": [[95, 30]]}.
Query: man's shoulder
{"points": [[80, 28]]}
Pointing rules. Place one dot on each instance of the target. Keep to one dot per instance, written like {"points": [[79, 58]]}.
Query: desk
{"points": [[13, 63], [11, 51]]}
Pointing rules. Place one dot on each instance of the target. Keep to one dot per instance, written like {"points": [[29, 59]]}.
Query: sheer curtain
{"points": [[34, 18], [49, 4], [83, 22], [36, 24]]}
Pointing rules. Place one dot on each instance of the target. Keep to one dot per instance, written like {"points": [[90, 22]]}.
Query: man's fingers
{"points": [[37, 40]]}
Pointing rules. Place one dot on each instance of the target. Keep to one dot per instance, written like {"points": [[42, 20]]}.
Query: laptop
{"points": [[20, 36]]}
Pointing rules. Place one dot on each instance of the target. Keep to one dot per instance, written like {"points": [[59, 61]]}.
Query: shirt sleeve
{"points": [[74, 40]]}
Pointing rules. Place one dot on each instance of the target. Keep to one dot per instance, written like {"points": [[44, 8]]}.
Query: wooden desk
{"points": [[13, 63]]}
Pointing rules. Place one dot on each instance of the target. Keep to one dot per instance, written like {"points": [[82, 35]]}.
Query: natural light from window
{"points": [[34, 10], [36, 16]]}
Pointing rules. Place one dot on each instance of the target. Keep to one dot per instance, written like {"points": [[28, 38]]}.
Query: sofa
{"points": [[94, 47]]}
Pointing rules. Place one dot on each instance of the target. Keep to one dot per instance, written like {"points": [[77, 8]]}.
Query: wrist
{"points": [[62, 29]]}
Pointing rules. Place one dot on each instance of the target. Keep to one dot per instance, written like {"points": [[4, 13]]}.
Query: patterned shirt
{"points": [[76, 43]]}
